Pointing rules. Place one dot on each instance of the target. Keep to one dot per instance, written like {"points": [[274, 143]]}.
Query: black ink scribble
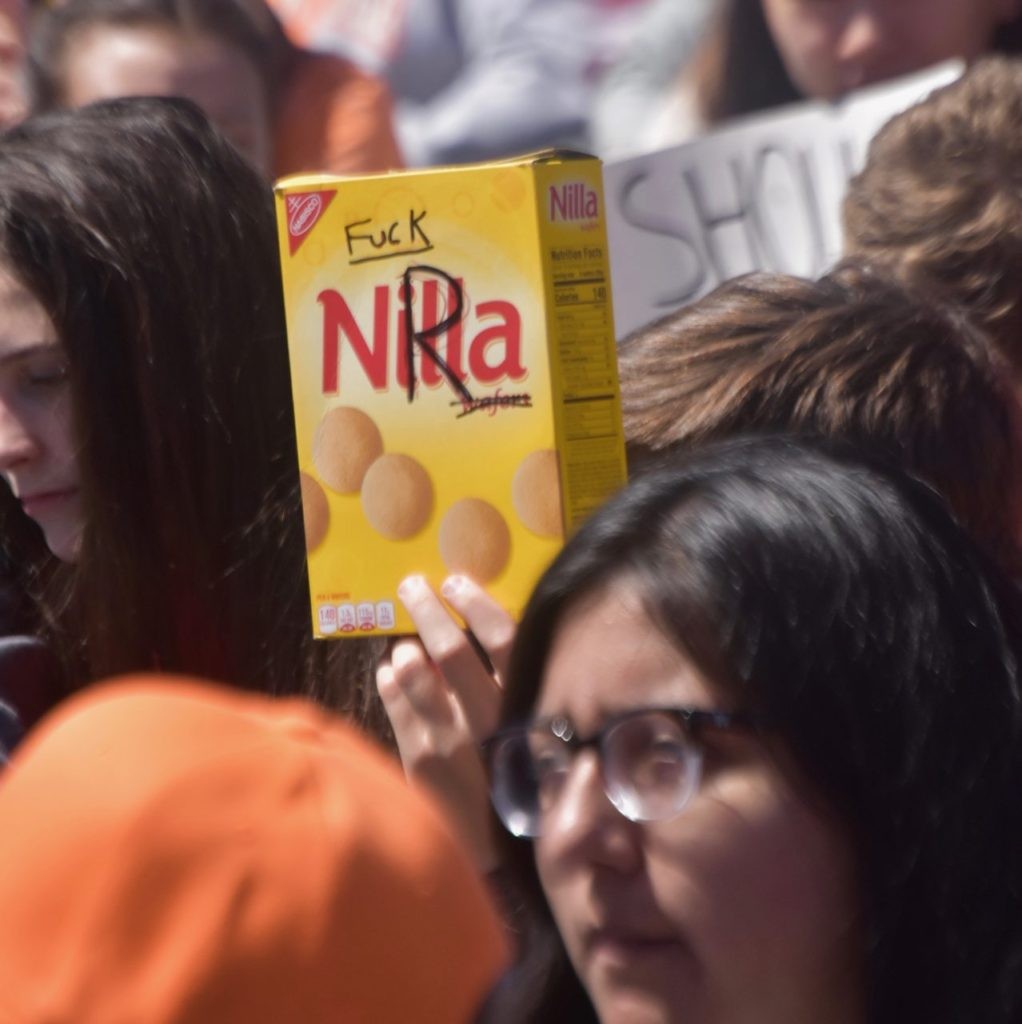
{"points": [[421, 338], [387, 242]]}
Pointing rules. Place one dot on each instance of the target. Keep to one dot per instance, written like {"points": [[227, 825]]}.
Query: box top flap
{"points": [[542, 156]]}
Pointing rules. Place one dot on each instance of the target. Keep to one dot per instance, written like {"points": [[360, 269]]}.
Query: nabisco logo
{"points": [[303, 210], [573, 201], [450, 346]]}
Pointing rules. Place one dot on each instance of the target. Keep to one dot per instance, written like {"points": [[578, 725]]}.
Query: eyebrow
{"points": [[31, 349]]}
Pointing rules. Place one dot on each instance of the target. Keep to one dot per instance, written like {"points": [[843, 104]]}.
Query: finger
{"points": [[452, 652], [421, 712], [446, 760], [490, 624], [420, 685], [404, 721]]}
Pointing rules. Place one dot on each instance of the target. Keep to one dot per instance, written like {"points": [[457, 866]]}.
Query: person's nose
{"points": [[18, 444], [862, 44], [585, 826]]}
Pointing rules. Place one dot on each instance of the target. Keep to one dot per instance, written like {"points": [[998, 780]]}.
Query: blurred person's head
{"points": [[761, 53], [831, 48], [224, 55], [179, 853], [851, 357], [146, 433], [940, 198], [762, 723]]}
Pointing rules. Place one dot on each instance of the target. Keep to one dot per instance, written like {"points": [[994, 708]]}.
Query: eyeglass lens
{"points": [[649, 764]]}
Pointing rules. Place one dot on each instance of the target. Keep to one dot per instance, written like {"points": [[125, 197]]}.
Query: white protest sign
{"points": [[763, 194]]}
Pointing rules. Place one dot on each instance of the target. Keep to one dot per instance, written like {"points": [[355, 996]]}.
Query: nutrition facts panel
{"points": [[590, 291], [592, 417], [584, 331]]}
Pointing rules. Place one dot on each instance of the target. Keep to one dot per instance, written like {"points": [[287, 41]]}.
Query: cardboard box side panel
{"points": [[580, 325]]}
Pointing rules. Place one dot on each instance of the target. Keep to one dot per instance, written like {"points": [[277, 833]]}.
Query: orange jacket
{"points": [[172, 852], [334, 117]]}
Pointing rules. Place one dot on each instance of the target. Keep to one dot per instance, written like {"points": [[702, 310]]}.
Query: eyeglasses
{"points": [[651, 762]]}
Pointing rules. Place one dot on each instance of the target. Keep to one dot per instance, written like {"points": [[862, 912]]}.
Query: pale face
{"points": [[742, 909], [830, 47], [107, 61], [37, 445]]}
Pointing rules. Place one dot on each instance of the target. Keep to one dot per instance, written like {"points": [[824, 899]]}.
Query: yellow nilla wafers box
{"points": [[454, 375]]}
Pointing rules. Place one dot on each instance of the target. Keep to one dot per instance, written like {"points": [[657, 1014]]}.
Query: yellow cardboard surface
{"points": [[494, 280]]}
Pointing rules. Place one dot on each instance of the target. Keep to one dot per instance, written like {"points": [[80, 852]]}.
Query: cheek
{"points": [[568, 893], [64, 533], [764, 887], [256, 142], [556, 884], [251, 139], [807, 44], [62, 441]]}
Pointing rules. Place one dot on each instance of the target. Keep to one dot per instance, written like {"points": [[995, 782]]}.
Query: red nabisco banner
{"points": [[303, 210]]}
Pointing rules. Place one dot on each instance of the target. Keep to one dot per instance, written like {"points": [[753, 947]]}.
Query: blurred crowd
{"points": [[352, 85], [753, 753]]}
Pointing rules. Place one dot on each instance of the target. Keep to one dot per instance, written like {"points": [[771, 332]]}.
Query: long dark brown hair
{"points": [[151, 244], [852, 356]]}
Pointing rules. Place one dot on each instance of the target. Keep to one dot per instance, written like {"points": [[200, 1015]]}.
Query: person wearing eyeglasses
{"points": [[760, 750]]}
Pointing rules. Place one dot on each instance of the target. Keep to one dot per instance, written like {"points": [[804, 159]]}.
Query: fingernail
{"points": [[452, 586], [410, 586]]}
